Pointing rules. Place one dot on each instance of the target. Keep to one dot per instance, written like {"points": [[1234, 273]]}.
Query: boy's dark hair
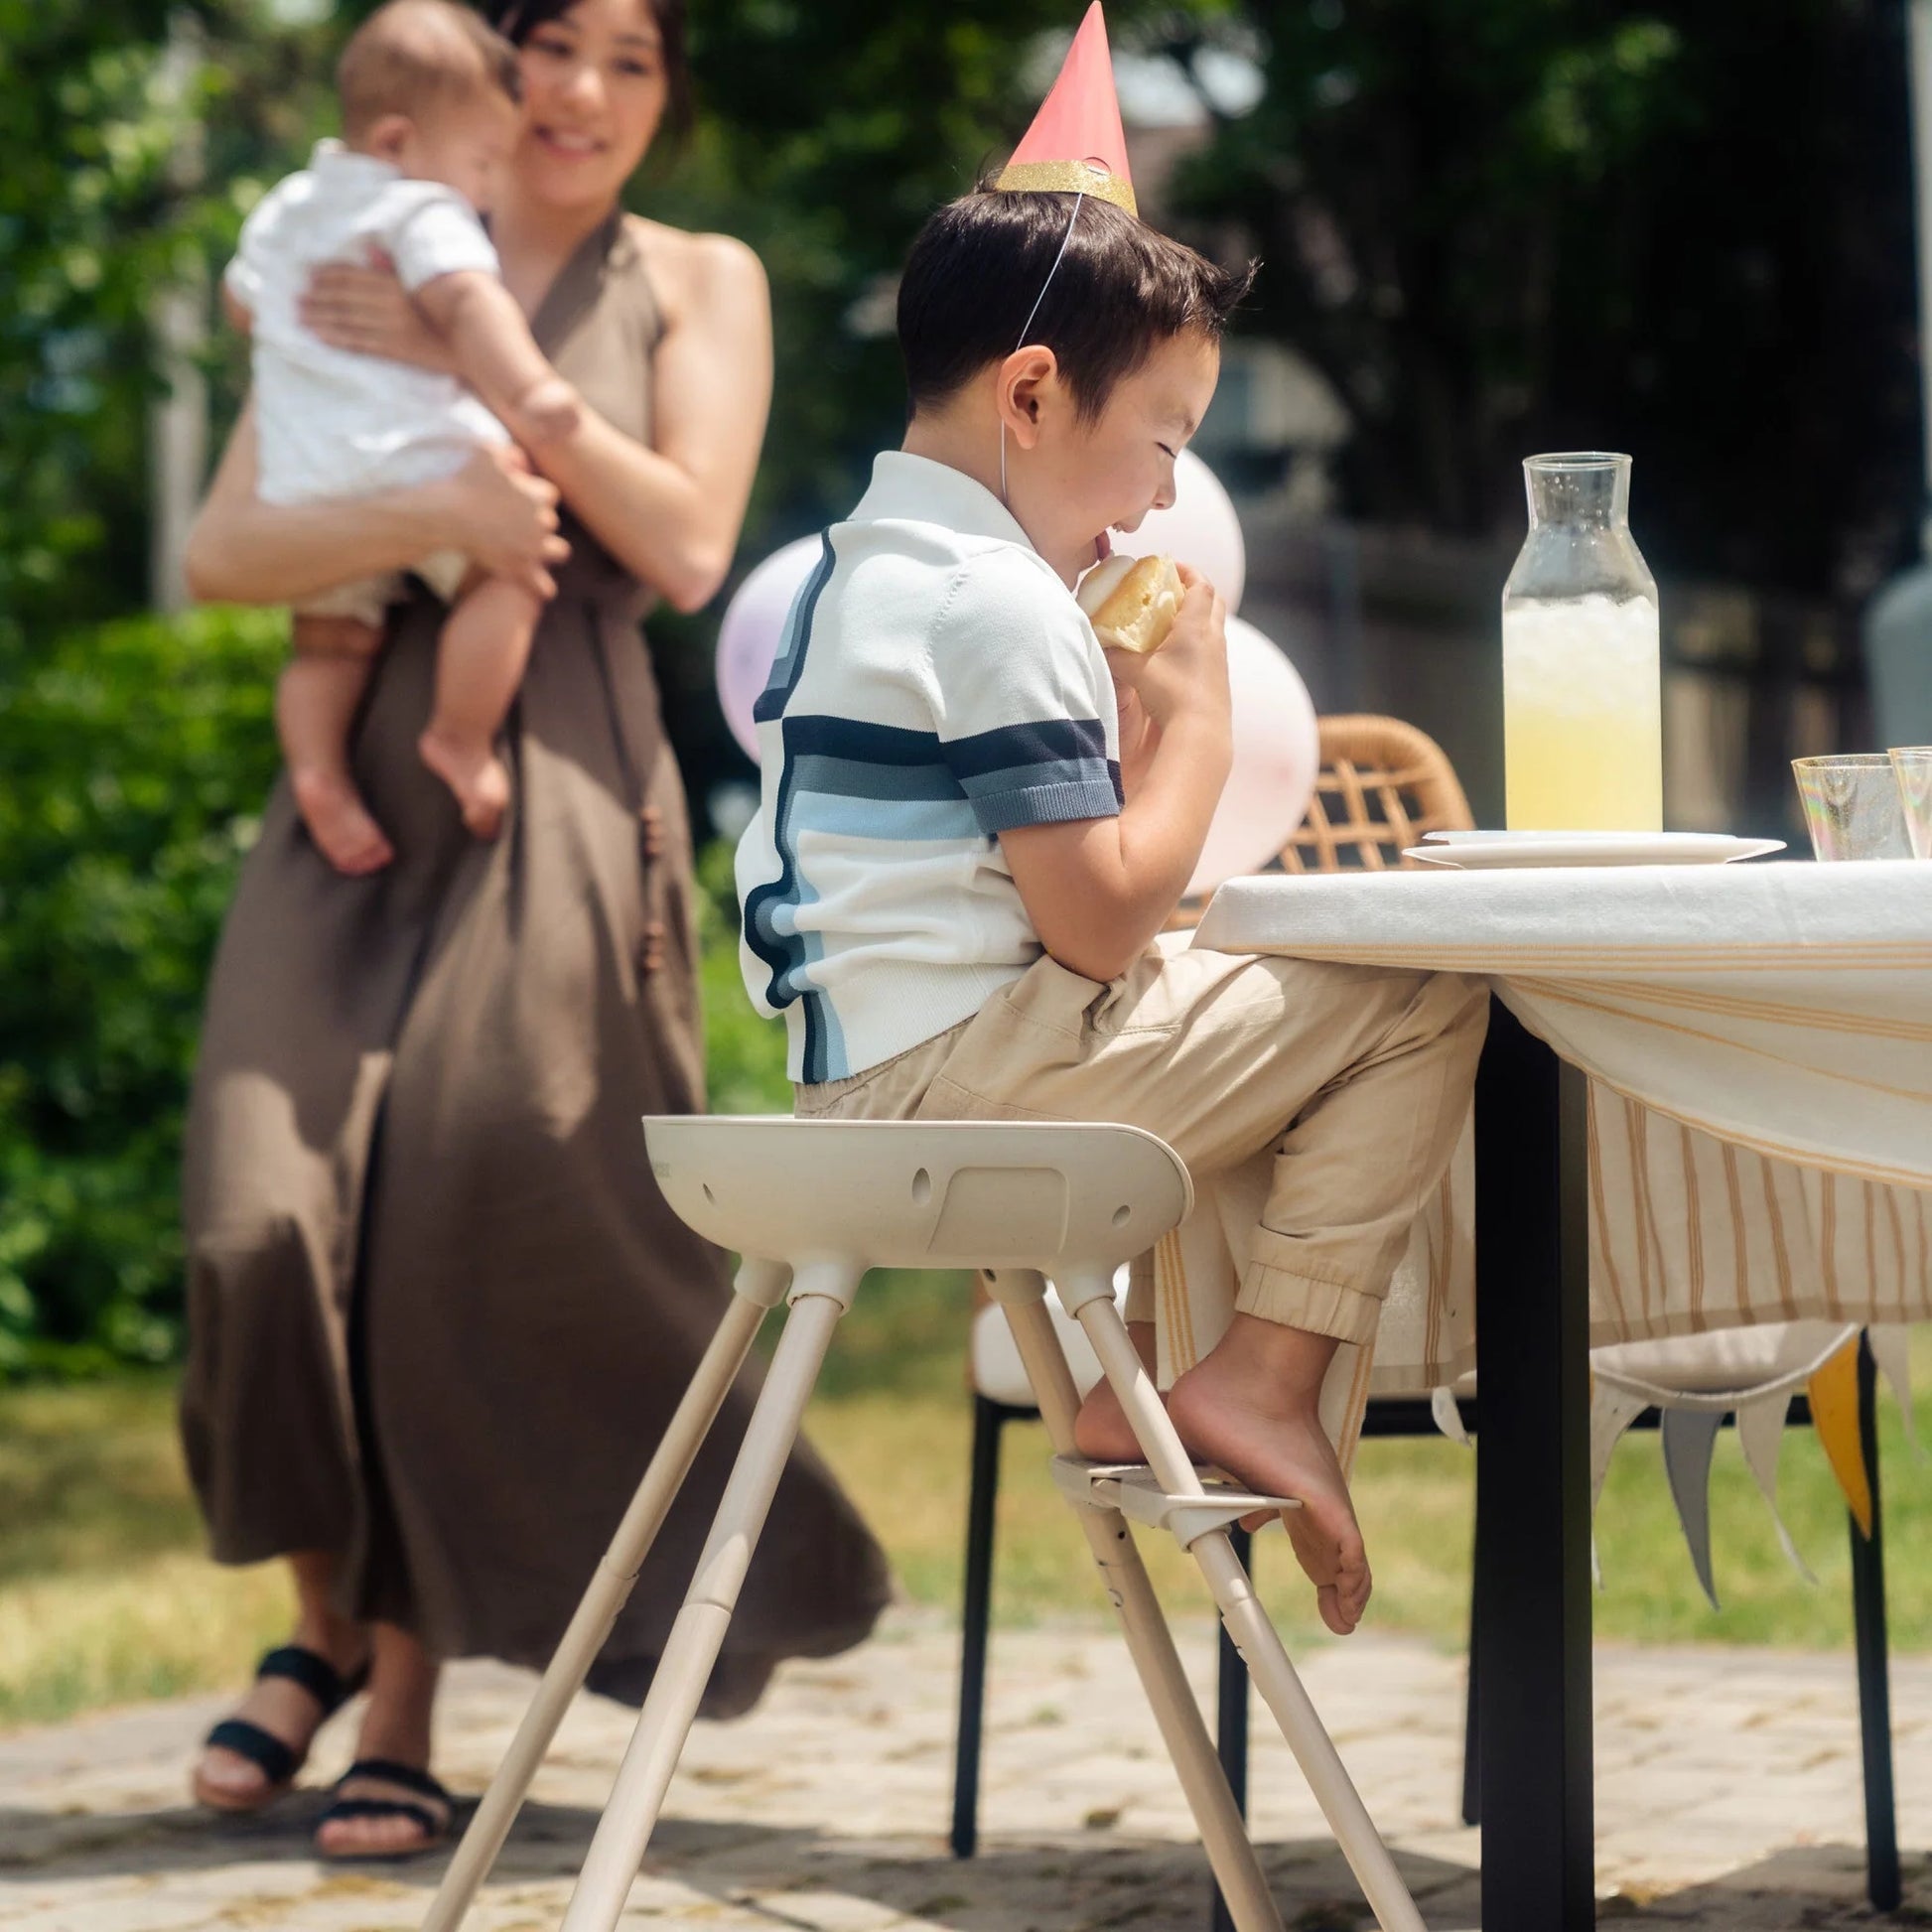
{"points": [[415, 56], [519, 18], [1121, 290]]}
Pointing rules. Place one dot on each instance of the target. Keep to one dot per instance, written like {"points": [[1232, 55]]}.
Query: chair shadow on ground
{"points": [[768, 1872], [771, 1873]]}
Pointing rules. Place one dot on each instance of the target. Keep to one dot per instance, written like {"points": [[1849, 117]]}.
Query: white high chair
{"points": [[814, 1204]]}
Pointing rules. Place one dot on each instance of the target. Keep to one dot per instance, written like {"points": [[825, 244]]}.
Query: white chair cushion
{"points": [[996, 1367]]}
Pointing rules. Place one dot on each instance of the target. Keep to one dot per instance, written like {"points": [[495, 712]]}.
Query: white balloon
{"points": [[752, 626], [1199, 527], [1277, 759]]}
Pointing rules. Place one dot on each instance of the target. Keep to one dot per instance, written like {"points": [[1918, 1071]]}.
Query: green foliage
{"points": [[1505, 225], [138, 754]]}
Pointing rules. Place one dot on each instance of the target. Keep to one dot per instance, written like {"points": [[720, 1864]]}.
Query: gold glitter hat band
{"points": [[1092, 177], [1076, 144]]}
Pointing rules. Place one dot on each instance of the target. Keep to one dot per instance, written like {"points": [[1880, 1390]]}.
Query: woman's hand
{"points": [[505, 519], [368, 312]]}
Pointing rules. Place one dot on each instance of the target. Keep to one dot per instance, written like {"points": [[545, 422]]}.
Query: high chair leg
{"points": [[1246, 1622], [759, 1288], [820, 1293], [1230, 1852]]}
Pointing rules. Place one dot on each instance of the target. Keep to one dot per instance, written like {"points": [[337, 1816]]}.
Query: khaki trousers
{"points": [[1358, 1077]]}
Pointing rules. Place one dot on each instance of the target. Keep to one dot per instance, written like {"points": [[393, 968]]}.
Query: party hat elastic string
{"points": [[1026, 326]]}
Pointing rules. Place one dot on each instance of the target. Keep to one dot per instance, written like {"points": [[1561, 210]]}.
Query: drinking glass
{"points": [[1912, 766], [1853, 807]]}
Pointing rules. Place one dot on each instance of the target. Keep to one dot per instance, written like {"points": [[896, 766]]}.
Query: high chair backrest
{"points": [[920, 1193]]}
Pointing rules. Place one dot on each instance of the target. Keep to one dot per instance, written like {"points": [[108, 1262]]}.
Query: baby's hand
{"points": [[546, 412], [1189, 672]]}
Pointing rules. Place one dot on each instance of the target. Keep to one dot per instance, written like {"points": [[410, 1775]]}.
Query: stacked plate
{"points": [[1480, 851]]}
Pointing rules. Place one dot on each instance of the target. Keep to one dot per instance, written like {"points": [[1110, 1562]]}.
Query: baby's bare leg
{"points": [[314, 709], [479, 662]]}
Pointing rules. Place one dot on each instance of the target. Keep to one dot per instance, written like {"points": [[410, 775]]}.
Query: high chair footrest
{"points": [[1130, 1489]]}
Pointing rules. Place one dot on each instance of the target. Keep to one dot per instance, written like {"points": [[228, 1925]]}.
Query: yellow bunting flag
{"points": [[1834, 1394]]}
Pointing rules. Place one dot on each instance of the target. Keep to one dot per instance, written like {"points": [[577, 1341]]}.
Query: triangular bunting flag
{"points": [[1611, 1412], [1077, 145], [1891, 1349], [1689, 1437], [1447, 1415], [1834, 1394], [1760, 1431]]}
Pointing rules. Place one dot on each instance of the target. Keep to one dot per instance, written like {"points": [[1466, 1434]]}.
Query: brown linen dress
{"points": [[439, 1312]]}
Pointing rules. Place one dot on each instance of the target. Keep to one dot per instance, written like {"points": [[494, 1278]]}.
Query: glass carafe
{"points": [[1582, 725]]}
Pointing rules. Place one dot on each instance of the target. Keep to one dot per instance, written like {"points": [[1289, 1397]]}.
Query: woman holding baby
{"points": [[439, 1309]]}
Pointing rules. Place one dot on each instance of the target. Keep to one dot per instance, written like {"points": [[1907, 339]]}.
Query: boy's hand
{"points": [[1189, 672]]}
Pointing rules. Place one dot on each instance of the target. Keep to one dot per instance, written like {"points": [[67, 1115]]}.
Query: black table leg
{"points": [[1874, 1686], [1532, 1594]]}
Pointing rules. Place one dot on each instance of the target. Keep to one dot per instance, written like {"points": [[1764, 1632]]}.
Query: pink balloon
{"points": [[1199, 527], [1277, 758], [748, 637]]}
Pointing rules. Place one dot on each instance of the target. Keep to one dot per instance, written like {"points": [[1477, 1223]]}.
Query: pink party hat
{"points": [[1076, 145]]}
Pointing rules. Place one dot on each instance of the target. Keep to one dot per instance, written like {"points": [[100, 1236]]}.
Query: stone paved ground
{"points": [[1728, 1797]]}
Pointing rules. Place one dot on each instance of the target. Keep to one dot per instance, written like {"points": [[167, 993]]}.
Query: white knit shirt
{"points": [[329, 422], [935, 686]]}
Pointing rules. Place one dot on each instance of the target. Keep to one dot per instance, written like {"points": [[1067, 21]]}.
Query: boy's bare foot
{"points": [[475, 774], [1251, 1407], [546, 412], [1101, 1431], [338, 822]]}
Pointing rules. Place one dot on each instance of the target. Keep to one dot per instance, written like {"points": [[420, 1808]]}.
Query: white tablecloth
{"points": [[1760, 1044]]}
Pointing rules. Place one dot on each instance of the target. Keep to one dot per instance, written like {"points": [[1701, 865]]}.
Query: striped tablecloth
{"points": [[1759, 1043]]}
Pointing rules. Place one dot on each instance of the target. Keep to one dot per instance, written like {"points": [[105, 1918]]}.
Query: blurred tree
{"points": [[1681, 229]]}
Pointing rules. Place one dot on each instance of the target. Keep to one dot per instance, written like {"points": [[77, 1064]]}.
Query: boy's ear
{"points": [[1029, 377]]}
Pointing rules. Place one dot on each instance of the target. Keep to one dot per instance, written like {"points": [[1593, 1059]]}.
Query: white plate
{"points": [[1474, 851]]}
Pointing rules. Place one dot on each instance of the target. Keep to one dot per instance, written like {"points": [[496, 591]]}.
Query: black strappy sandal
{"points": [[277, 1761], [436, 1831]]}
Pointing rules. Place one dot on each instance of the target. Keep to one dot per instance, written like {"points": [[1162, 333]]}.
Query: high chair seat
{"points": [[812, 1206], [982, 1195]]}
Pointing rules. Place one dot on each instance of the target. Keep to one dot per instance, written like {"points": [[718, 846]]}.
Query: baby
{"points": [[429, 107]]}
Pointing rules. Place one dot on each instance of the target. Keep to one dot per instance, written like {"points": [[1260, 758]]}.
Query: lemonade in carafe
{"points": [[1583, 741]]}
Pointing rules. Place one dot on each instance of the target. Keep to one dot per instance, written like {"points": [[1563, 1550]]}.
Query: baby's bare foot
{"points": [[338, 822], [1229, 1412], [475, 774]]}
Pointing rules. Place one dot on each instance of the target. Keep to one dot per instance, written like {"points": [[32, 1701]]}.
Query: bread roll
{"points": [[1132, 602]]}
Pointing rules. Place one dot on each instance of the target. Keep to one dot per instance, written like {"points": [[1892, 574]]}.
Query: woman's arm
{"points": [[671, 514], [245, 551]]}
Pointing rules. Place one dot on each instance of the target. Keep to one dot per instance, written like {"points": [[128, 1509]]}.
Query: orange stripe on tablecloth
{"points": [[1561, 998], [1897, 1244], [1828, 1239], [1882, 956], [1640, 1188], [1694, 1221], [1787, 1300], [1599, 1216], [1768, 1011], [1740, 1234], [1438, 1271]]}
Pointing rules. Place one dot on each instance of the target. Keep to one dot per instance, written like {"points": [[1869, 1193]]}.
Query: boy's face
{"points": [[1072, 480], [463, 146]]}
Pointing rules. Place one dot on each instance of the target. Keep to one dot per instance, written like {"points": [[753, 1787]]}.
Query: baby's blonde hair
{"points": [[413, 56]]}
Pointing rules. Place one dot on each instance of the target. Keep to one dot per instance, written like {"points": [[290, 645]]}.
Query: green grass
{"points": [[106, 1597]]}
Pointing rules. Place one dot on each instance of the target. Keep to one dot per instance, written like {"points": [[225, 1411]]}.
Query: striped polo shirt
{"points": [[936, 685]]}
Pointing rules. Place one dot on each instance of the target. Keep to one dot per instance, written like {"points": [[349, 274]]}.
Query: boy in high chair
{"points": [[974, 822]]}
